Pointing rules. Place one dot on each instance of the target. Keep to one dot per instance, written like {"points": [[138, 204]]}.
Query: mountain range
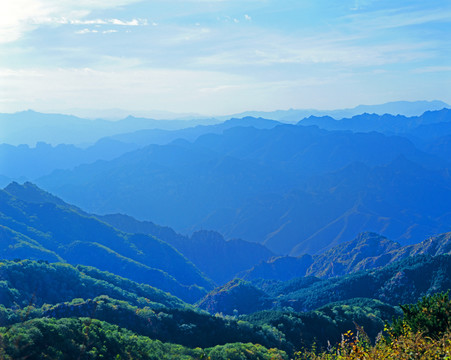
{"points": [[37, 225], [296, 189], [366, 251], [55, 258], [43, 227], [52, 230], [30, 127], [22, 162], [248, 238], [406, 108], [221, 260], [401, 282]]}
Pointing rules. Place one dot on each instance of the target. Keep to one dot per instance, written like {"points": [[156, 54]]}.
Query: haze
{"points": [[221, 57]]}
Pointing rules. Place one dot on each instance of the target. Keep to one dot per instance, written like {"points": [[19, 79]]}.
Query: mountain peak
{"points": [[235, 296], [31, 193]]}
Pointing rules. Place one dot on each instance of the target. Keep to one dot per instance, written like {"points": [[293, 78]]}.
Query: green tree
{"points": [[431, 316]]}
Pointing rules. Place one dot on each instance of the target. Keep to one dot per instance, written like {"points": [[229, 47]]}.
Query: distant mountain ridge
{"points": [[386, 123], [28, 163], [30, 127], [161, 136], [406, 108], [367, 251], [220, 260], [295, 189]]}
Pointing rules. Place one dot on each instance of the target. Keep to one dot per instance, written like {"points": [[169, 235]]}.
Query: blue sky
{"points": [[221, 56]]}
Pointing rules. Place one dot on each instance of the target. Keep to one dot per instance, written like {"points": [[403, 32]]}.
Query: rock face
{"points": [[400, 282], [366, 251]]}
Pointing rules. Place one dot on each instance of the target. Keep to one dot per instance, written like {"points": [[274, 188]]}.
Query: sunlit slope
{"points": [[52, 230]]}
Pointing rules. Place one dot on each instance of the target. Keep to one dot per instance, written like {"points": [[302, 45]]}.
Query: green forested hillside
{"points": [[39, 226], [32, 290], [219, 259], [26, 282], [38, 298], [401, 282], [328, 323], [84, 338], [61, 307]]}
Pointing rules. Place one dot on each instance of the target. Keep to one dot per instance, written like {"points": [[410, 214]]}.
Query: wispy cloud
{"points": [[271, 49], [210, 53], [65, 21], [20, 16], [432, 69], [397, 18], [86, 31], [95, 31]]}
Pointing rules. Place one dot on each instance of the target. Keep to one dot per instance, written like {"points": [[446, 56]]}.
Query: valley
{"points": [[247, 236]]}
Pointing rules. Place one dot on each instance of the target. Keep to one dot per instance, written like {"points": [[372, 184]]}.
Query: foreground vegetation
{"points": [[58, 311], [409, 345], [423, 332]]}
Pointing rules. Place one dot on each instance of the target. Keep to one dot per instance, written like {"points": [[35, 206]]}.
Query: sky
{"points": [[216, 57]]}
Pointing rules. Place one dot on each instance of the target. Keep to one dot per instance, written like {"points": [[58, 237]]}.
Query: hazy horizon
{"points": [[221, 57], [115, 114]]}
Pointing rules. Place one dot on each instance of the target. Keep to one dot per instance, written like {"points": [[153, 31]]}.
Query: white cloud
{"points": [[87, 31], [20, 16], [84, 31], [15, 16], [258, 57], [77, 21], [134, 22], [66, 21]]}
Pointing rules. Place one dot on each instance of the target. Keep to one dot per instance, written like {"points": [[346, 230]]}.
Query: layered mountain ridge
{"points": [[295, 189], [366, 251]]}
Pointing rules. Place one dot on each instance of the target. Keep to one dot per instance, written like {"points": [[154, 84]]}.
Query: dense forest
{"points": [[107, 328]]}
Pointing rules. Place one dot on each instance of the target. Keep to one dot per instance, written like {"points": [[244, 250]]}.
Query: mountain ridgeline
{"points": [[246, 239], [296, 189], [402, 282], [366, 251], [39, 226]]}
